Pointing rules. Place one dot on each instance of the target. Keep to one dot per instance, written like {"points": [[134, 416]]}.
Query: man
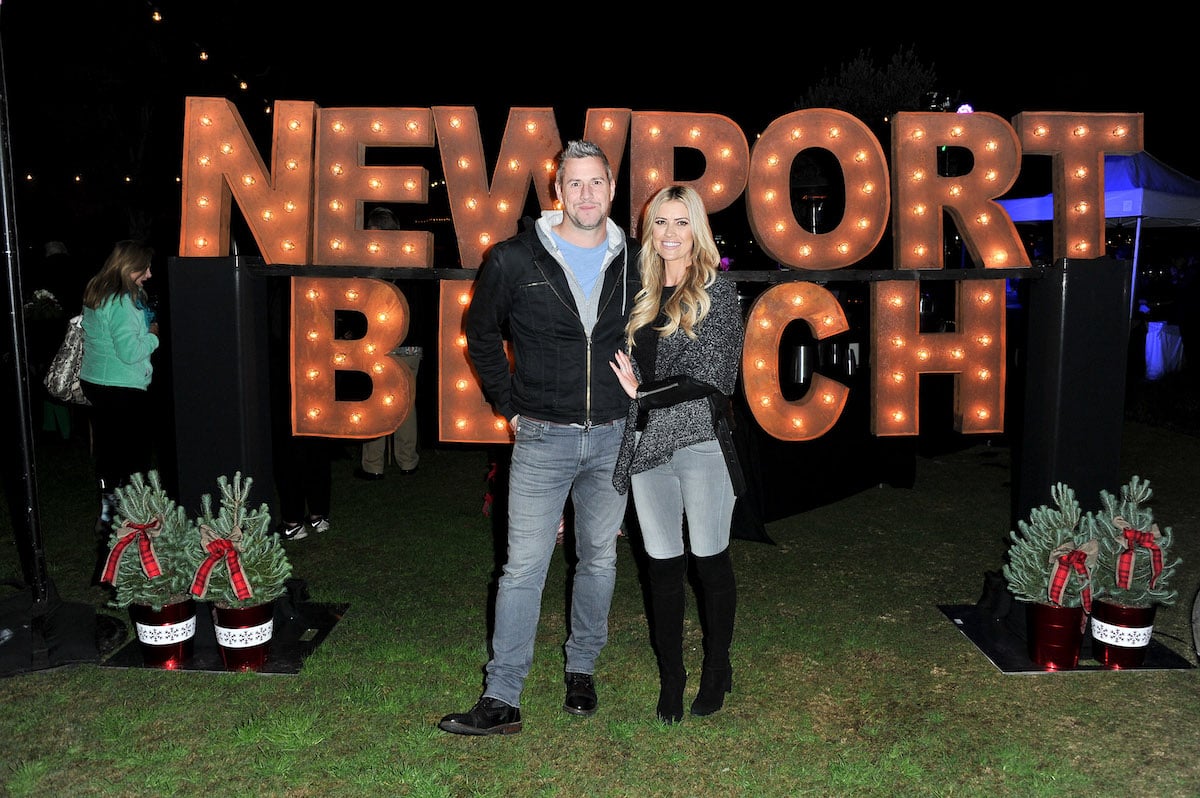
{"points": [[561, 292]]}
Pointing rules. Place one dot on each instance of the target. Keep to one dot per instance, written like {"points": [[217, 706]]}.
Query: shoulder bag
{"points": [[62, 378]]}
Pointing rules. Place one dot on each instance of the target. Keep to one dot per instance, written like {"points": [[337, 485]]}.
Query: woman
{"points": [[120, 334], [684, 341]]}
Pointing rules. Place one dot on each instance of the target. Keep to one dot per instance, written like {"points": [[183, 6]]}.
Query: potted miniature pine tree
{"points": [[244, 570], [1134, 574], [150, 564], [1050, 564]]}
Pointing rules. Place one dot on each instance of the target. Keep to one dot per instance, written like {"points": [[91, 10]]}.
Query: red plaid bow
{"points": [[1068, 559], [1133, 539], [142, 534], [218, 549]]}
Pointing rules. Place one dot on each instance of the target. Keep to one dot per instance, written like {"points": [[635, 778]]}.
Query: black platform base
{"points": [[299, 629]]}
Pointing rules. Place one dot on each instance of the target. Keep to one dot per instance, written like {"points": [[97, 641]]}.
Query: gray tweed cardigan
{"points": [[712, 358]]}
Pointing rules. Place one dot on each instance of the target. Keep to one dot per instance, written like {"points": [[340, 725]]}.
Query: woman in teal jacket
{"points": [[120, 334]]}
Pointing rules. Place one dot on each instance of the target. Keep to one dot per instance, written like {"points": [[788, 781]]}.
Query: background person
{"points": [[562, 290], [685, 339], [120, 334]]}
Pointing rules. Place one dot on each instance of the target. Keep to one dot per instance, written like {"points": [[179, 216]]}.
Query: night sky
{"points": [[97, 88]]}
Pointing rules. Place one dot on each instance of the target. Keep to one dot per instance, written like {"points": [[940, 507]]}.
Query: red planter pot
{"points": [[244, 635], [1121, 634], [1055, 635], [167, 636]]}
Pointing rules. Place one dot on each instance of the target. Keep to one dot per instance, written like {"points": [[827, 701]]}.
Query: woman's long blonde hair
{"points": [[118, 276], [690, 302]]}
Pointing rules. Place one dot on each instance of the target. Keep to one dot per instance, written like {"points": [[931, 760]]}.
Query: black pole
{"points": [[34, 559]]}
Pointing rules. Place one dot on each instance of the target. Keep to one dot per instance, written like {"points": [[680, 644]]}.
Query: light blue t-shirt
{"points": [[585, 262]]}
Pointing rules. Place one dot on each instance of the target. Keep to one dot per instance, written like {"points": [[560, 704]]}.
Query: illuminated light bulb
{"points": [[984, 340], [1080, 172], [991, 145], [352, 294], [919, 250], [759, 363], [377, 126], [772, 160], [374, 248], [289, 206], [1079, 131], [897, 376], [460, 341], [312, 374], [860, 156], [896, 301], [389, 400], [514, 165], [797, 422], [1080, 207], [313, 335], [984, 297], [461, 385], [1120, 131], [999, 257], [897, 416], [312, 294], [917, 134], [863, 223], [338, 126], [339, 358], [922, 354], [717, 187], [982, 413], [843, 247], [206, 121], [956, 190], [828, 398], [868, 187], [268, 215], [355, 417], [652, 175], [983, 374], [956, 131], [472, 204], [957, 353], [314, 412], [456, 122], [463, 162], [764, 401], [287, 245], [834, 132], [485, 238], [805, 250], [382, 316], [247, 180], [797, 299], [991, 175], [201, 242], [227, 148], [607, 124], [764, 323], [897, 341], [827, 320], [797, 134], [725, 152], [780, 227], [464, 298], [370, 348], [502, 206], [204, 160], [1041, 130], [982, 219], [336, 169], [920, 209], [293, 125], [407, 248], [769, 195], [694, 133], [918, 175], [375, 183], [202, 201], [412, 125], [335, 205], [1081, 246], [335, 243], [460, 423], [500, 425], [377, 368], [655, 131]]}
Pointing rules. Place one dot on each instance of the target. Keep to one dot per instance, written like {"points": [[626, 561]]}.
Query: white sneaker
{"points": [[319, 524]]}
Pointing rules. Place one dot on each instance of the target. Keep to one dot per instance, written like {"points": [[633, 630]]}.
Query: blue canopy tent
{"points": [[1138, 189]]}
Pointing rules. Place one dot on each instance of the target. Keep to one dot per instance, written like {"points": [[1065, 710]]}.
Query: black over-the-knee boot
{"points": [[666, 630], [719, 600]]}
